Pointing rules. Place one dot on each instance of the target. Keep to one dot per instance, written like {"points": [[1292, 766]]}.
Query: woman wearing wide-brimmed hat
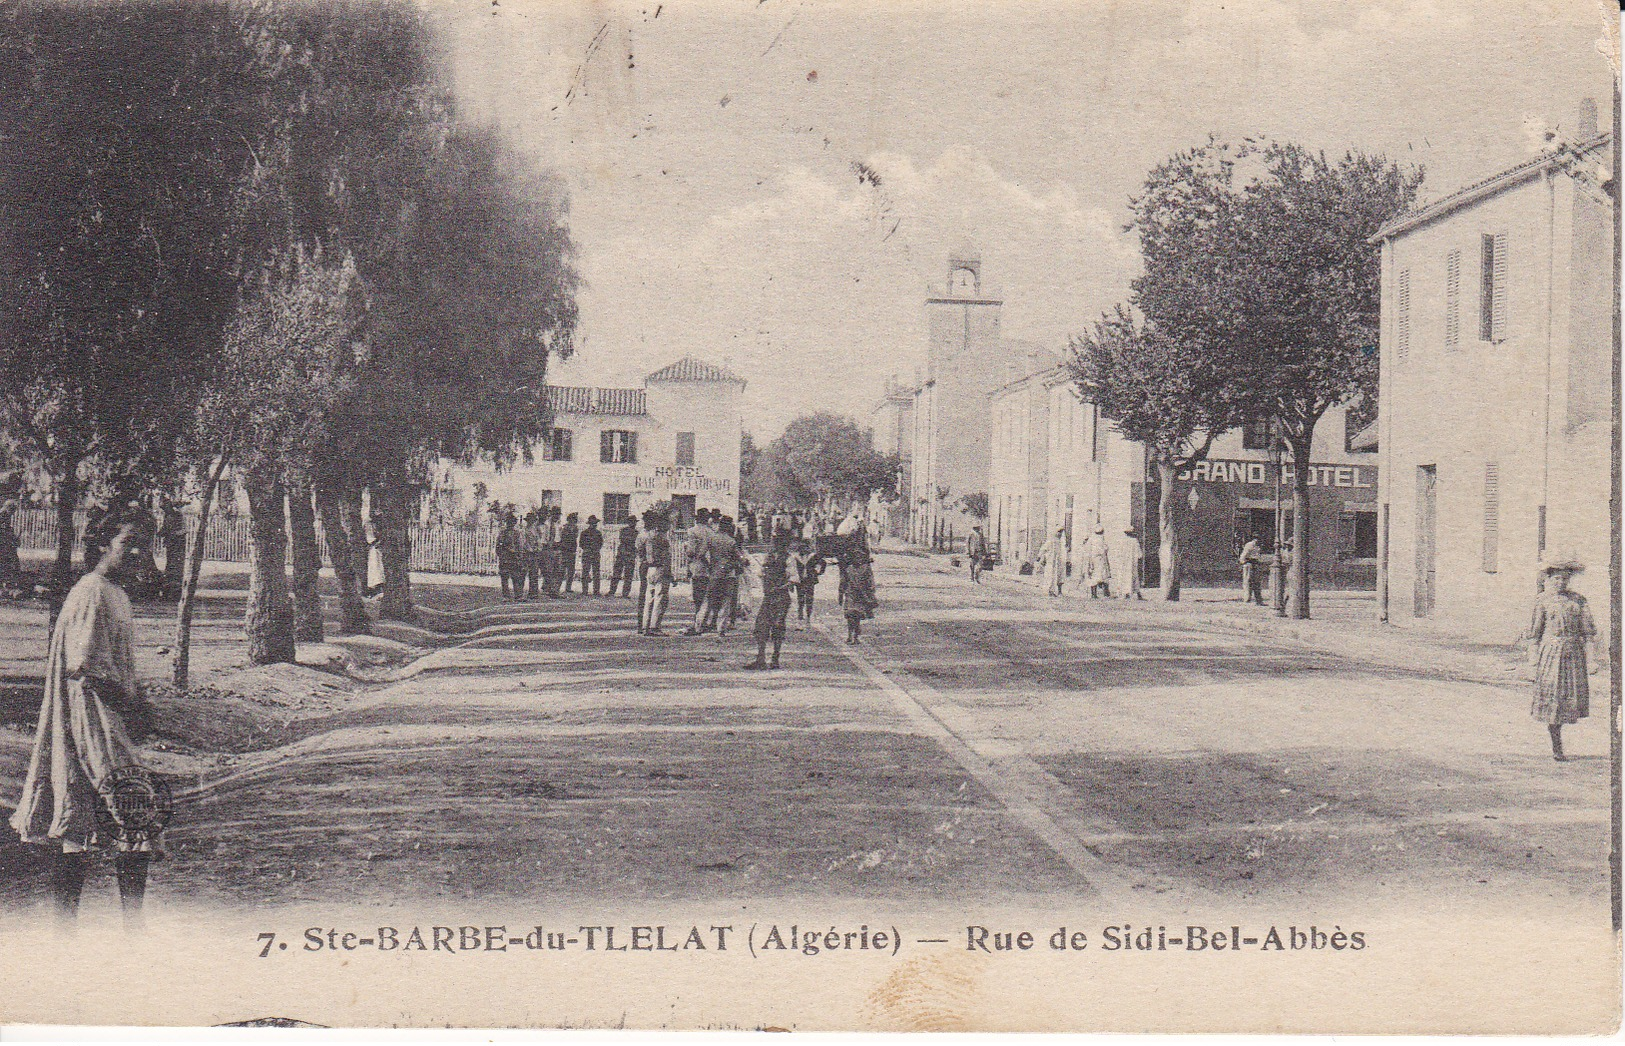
{"points": [[1560, 629]]}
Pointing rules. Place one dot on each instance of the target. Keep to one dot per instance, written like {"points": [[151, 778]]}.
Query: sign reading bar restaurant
{"points": [[1259, 473], [682, 479]]}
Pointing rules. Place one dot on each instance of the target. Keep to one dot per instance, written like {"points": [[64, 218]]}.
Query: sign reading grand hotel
{"points": [[1260, 473], [682, 479]]}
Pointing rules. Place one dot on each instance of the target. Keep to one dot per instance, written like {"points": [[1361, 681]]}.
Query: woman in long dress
{"points": [[1561, 627], [81, 742], [857, 588]]}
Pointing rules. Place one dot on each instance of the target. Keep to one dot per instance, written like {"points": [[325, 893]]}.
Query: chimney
{"points": [[1587, 128]]}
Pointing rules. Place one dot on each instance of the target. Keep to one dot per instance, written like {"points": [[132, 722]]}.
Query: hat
{"points": [[1561, 560], [591, 520]]}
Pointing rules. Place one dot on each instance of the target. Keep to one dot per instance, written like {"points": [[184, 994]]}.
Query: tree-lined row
{"points": [[1259, 299], [819, 461], [256, 239]]}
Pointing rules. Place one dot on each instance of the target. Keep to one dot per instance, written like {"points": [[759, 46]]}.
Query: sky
{"points": [[775, 184]]}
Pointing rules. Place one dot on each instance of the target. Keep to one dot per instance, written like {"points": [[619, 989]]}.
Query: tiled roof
{"points": [[690, 369], [1480, 189], [1365, 439], [577, 399]]}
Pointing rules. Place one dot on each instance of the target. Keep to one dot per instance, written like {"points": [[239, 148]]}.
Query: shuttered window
{"points": [[618, 447], [1492, 298], [1492, 517], [685, 448], [1402, 314], [1452, 299]]}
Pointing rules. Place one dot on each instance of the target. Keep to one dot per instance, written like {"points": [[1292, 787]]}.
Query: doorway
{"points": [[1427, 515]]}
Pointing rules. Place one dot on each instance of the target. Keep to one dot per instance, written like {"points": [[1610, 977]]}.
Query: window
{"points": [[1452, 299], [1255, 434], [1360, 535], [685, 448], [1492, 517], [551, 499], [1402, 314], [559, 445], [617, 509], [618, 447], [1492, 298]]}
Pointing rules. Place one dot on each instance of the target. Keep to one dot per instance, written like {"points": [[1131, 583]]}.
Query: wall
{"points": [[1506, 404]]}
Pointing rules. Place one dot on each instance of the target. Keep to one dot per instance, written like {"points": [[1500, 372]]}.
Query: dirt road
{"points": [[981, 743]]}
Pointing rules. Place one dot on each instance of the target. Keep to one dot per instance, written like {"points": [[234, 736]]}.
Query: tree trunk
{"points": [[1298, 572], [269, 620], [389, 519], [307, 563], [194, 568], [1168, 530], [353, 612], [355, 530], [173, 535], [67, 500]]}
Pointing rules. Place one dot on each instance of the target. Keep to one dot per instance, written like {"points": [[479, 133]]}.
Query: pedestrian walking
{"points": [[1252, 575], [976, 552], [1560, 629], [623, 567], [699, 549], [508, 561], [775, 605], [1132, 557], [654, 552], [82, 737], [727, 567], [809, 565], [591, 544], [1052, 558], [856, 594], [1099, 566]]}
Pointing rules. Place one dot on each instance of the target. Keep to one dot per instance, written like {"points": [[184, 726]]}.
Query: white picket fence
{"points": [[436, 549]]}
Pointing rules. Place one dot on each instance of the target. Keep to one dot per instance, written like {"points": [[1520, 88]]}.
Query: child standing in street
{"points": [[808, 567]]}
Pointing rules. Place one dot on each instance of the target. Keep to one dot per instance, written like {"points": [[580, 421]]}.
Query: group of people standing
{"points": [[1095, 562], [540, 554]]}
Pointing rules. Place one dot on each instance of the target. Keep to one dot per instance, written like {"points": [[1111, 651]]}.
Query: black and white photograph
{"points": [[807, 515]]}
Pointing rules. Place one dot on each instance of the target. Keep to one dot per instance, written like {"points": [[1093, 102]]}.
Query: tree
{"points": [[822, 458], [117, 197], [975, 505], [1259, 255], [749, 461], [1161, 393], [288, 358]]}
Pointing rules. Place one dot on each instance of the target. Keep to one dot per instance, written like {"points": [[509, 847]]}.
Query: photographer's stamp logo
{"points": [[136, 804]]}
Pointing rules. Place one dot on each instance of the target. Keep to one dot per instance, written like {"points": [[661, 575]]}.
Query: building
{"points": [[952, 445], [1494, 428], [891, 427], [1099, 478], [614, 452], [1018, 485]]}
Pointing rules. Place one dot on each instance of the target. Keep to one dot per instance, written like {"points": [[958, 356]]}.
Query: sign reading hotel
{"points": [[1258, 473], [682, 479]]}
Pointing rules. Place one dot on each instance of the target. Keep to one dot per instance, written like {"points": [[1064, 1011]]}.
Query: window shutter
{"points": [[606, 446], [1346, 535], [632, 447], [1452, 299], [1486, 288], [1498, 319], [1402, 320], [566, 445], [685, 448], [1492, 517]]}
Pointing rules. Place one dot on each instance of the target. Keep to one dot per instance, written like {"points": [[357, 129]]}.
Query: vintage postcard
{"points": [[780, 514]]}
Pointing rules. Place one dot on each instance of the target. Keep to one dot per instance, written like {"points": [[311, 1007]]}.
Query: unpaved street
{"points": [[981, 743]]}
